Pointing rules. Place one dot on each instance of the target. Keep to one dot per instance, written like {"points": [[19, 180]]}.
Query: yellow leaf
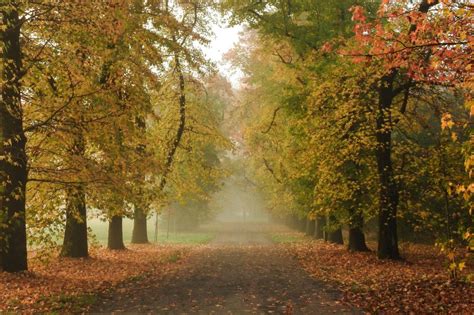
{"points": [[452, 266], [451, 256]]}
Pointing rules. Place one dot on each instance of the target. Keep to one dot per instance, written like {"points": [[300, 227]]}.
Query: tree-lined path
{"points": [[127, 126], [240, 272]]}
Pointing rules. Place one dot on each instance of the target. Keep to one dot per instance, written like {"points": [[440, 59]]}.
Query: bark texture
{"points": [[356, 234], [115, 236], [75, 235], [140, 232], [388, 193], [75, 243], [13, 160]]}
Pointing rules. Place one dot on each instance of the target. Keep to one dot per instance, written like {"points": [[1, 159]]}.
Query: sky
{"points": [[224, 39]]}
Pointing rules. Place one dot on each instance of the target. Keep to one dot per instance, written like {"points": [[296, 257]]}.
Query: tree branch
{"points": [[273, 121]]}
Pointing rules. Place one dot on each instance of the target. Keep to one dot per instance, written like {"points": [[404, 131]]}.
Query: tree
{"points": [[13, 160], [348, 108], [295, 34], [407, 53]]}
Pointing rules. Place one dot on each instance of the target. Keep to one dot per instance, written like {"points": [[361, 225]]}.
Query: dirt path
{"points": [[240, 272]]}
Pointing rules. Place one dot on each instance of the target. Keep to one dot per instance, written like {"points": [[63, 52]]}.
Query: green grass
{"points": [[100, 228], [186, 238], [173, 258], [73, 303], [283, 238]]}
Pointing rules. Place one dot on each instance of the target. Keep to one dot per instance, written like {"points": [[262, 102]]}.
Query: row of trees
{"points": [[104, 106], [356, 110]]}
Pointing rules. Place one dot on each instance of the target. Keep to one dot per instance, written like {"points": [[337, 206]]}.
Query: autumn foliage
{"points": [[418, 285], [357, 115], [105, 113], [71, 285], [353, 119]]}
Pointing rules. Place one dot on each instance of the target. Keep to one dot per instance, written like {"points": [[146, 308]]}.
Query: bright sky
{"points": [[225, 38]]}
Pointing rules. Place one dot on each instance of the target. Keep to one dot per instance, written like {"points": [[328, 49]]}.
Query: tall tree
{"points": [[13, 160], [407, 62]]}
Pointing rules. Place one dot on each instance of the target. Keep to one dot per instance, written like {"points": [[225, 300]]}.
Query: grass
{"points": [[173, 258], [72, 303], [100, 228], [289, 237], [186, 238]]}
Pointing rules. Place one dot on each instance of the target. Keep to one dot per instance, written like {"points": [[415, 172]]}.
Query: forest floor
{"points": [[418, 284], [240, 271], [72, 285], [244, 269]]}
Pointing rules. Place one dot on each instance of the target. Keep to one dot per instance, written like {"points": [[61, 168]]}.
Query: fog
{"points": [[236, 208], [238, 201]]}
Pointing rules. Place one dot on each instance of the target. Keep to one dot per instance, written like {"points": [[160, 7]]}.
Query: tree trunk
{"points": [[326, 233], [388, 198], [140, 233], [356, 235], [334, 235], [75, 236], [357, 240], [115, 237], [181, 125], [319, 223], [13, 160], [310, 226], [156, 226]]}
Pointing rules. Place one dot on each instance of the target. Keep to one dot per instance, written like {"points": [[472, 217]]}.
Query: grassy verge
{"points": [[73, 303], [99, 229], [288, 237], [186, 238]]}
